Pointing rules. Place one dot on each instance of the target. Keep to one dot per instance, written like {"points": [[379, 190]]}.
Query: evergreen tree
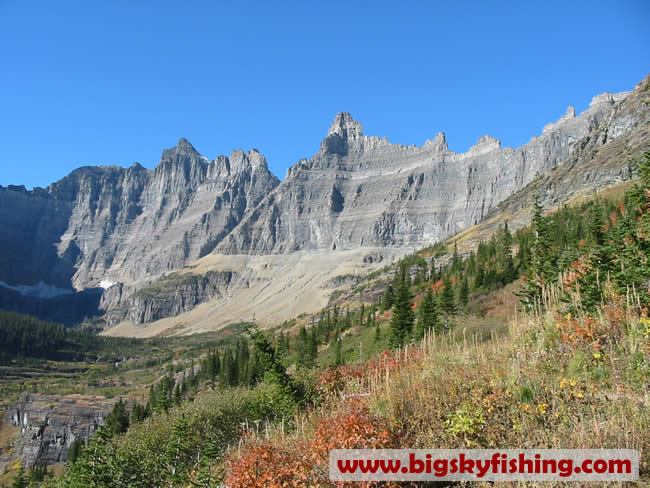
{"points": [[118, 420], [338, 354], [177, 451], [302, 346], [387, 300], [163, 395], [282, 346], [540, 267], [401, 324], [433, 275], [74, 451], [447, 296], [455, 260], [229, 369], [377, 333], [591, 282], [274, 372], [96, 465], [138, 414], [206, 473], [427, 316], [480, 277], [463, 293], [19, 480]]}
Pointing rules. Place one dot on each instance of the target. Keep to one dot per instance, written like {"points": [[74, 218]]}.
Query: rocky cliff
{"points": [[120, 230], [101, 226], [168, 297], [364, 191], [51, 423]]}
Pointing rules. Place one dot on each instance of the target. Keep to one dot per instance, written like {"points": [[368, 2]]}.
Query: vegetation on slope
{"points": [[573, 369]]}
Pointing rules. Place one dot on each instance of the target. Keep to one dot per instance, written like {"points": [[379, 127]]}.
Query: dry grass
{"points": [[552, 381]]}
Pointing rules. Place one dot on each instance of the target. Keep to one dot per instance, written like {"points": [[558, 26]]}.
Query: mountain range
{"points": [[194, 244]]}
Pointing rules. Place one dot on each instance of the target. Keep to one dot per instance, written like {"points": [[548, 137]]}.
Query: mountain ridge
{"points": [[122, 229]]}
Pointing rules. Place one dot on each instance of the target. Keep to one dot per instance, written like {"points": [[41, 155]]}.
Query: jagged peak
{"points": [[241, 160], [183, 148], [484, 144], [486, 139], [343, 134], [570, 114], [346, 127], [608, 97], [439, 143]]}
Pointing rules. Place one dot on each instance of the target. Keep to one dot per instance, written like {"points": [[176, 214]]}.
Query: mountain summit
{"points": [[122, 229]]}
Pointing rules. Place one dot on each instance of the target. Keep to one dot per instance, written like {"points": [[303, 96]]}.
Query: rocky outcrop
{"points": [[51, 423], [104, 225], [364, 191], [170, 296], [122, 229], [602, 158]]}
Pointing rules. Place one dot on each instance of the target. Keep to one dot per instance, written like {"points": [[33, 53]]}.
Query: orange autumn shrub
{"points": [[355, 429], [271, 465], [278, 464]]}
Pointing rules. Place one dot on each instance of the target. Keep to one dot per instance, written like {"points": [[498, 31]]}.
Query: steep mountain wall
{"points": [[124, 230], [101, 225], [364, 191]]}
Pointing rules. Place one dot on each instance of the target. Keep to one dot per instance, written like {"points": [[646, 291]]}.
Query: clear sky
{"points": [[116, 82]]}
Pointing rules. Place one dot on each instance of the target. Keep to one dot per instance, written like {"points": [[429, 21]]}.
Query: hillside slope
{"points": [[598, 160]]}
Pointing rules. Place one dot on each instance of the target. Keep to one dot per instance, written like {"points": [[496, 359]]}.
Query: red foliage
{"points": [[306, 464], [271, 465], [437, 286]]}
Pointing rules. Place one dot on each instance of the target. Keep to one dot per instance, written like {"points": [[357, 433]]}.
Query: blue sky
{"points": [[116, 82]]}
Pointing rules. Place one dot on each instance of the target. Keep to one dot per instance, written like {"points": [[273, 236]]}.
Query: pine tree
{"points": [[282, 347], [274, 372], [338, 355], [118, 420], [480, 277], [163, 395], [302, 346], [137, 414], [387, 300], [206, 474], [447, 296], [178, 450], [19, 480], [463, 293], [311, 349], [591, 282], [403, 317], [455, 260], [377, 333], [74, 451], [540, 270], [96, 465], [509, 270], [427, 316], [433, 275]]}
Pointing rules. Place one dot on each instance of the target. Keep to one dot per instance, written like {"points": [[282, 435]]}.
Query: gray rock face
{"points": [[122, 229], [51, 423], [102, 225], [600, 159], [364, 191], [169, 297]]}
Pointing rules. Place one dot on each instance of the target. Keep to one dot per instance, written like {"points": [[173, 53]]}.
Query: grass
{"points": [[169, 282], [544, 380]]}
